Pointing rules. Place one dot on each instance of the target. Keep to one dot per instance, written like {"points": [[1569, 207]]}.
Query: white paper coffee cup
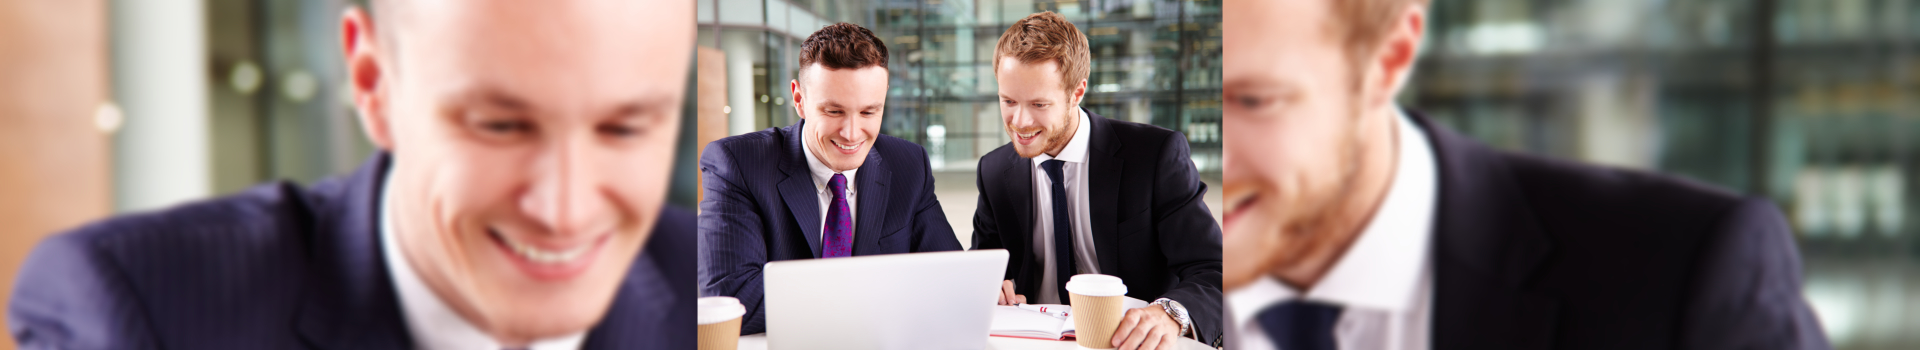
{"points": [[719, 321], [1098, 304]]}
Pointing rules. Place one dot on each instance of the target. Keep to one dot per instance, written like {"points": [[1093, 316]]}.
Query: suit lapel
{"points": [[1103, 192], [872, 206], [797, 190], [352, 302], [1486, 246], [1017, 198], [639, 308]]}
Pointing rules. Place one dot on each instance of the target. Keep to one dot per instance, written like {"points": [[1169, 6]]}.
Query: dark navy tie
{"points": [[1062, 231], [1301, 325]]}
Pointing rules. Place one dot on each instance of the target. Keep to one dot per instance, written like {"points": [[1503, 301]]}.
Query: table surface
{"points": [[759, 342]]}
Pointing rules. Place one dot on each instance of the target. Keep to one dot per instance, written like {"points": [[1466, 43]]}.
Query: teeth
{"points": [[845, 147], [1028, 135], [542, 256]]}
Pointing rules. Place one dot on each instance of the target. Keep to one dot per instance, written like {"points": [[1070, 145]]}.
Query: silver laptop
{"points": [[900, 301]]}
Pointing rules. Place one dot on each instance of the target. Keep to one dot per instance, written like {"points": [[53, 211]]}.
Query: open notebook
{"points": [[1040, 321]]}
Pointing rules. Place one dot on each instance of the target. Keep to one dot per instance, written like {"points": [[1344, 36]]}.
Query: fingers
{"points": [[1162, 340], [1141, 336], [1019, 299], [1125, 333], [1168, 341], [1006, 293]]}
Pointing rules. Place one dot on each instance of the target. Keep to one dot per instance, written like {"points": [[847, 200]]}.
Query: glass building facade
{"points": [[1154, 61], [1806, 102]]}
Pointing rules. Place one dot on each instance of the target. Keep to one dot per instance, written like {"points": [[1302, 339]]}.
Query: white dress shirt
{"points": [[434, 325], [1384, 282], [1075, 170], [821, 175]]}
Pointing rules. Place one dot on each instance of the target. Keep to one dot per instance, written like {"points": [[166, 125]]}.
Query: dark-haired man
{"points": [[828, 186], [517, 202]]}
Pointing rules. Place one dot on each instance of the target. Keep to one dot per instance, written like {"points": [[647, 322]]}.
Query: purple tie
{"points": [[837, 240]]}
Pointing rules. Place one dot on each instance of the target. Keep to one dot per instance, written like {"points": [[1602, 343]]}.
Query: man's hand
{"points": [[1147, 328], [1006, 294]]}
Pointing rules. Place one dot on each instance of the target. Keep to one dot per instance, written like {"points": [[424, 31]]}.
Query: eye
{"points": [[619, 130], [1252, 103], [1041, 105], [504, 127]]}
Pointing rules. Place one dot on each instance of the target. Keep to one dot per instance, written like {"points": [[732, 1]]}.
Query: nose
{"points": [[566, 196], [1019, 118], [850, 129]]}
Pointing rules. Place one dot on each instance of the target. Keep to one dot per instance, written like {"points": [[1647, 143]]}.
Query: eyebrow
{"points": [[496, 98], [1279, 87], [836, 104], [1042, 99], [639, 105]]}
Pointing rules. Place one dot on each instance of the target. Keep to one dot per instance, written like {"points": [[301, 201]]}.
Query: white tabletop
{"points": [[759, 342]]}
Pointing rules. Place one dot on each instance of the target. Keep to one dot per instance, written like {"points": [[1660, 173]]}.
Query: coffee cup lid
{"points": [[720, 309], [1096, 285]]}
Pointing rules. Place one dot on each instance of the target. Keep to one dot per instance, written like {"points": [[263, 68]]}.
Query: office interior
{"points": [[1154, 61], [1806, 102], [117, 106]]}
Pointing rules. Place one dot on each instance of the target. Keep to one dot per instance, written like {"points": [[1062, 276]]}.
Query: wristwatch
{"points": [[1179, 314]]}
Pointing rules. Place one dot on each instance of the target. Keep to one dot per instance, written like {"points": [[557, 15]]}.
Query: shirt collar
{"points": [[433, 324], [1381, 270], [1076, 149], [821, 173]]}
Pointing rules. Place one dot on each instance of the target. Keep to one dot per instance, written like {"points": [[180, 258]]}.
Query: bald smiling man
{"points": [[517, 202]]}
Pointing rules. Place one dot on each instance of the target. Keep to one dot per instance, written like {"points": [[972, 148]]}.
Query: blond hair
{"points": [[1043, 37]]}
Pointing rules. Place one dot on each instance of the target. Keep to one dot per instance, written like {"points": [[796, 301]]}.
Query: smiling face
{"points": [[1310, 132], [1039, 115], [530, 144], [842, 108]]}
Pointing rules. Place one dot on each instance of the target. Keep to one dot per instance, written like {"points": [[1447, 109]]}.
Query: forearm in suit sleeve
{"points": [[71, 296], [933, 233], [1746, 291], [731, 249], [1189, 237]]}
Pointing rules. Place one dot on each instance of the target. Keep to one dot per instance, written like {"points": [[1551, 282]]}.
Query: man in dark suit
{"points": [[828, 186], [1076, 193], [1352, 223], [517, 202]]}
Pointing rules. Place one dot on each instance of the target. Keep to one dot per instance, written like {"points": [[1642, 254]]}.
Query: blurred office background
{"points": [[1154, 61], [116, 106], [1808, 102]]}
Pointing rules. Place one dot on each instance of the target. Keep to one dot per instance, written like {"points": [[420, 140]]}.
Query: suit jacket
{"points": [[1535, 253], [282, 267], [759, 204], [1150, 222]]}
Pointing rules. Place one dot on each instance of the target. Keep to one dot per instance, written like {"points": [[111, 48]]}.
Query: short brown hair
{"points": [[1361, 25], [1046, 36], [843, 46]]}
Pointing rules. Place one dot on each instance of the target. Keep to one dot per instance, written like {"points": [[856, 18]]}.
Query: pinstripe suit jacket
{"points": [[283, 267], [759, 204]]}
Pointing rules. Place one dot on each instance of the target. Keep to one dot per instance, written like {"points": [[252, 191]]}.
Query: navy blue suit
{"points": [[759, 204], [1150, 221], [1536, 253], [282, 267]]}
